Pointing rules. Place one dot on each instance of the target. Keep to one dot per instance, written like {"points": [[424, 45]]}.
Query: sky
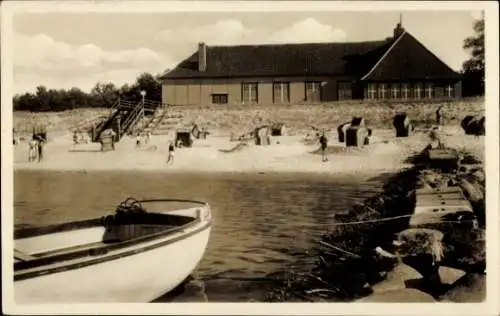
{"points": [[65, 50]]}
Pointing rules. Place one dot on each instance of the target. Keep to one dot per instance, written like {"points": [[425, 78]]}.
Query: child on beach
{"points": [[32, 153], [435, 138], [324, 144], [40, 148], [170, 153], [439, 115], [75, 137], [138, 140]]}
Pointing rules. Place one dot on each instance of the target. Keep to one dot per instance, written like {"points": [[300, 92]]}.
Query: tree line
{"points": [[473, 68], [102, 95]]}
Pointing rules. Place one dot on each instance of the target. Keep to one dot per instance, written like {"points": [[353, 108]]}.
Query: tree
{"points": [[76, 98], [104, 95], [42, 99], [473, 69], [146, 82], [101, 95]]}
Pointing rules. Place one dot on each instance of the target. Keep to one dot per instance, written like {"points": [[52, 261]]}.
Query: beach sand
{"points": [[385, 153]]}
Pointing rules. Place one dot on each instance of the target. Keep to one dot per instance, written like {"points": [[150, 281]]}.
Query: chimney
{"points": [[398, 30], [202, 57]]}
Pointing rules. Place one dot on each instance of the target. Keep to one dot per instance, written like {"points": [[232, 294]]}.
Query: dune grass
{"points": [[326, 115], [63, 121], [297, 117]]}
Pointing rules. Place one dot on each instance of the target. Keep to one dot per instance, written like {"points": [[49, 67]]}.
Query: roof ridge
{"points": [[385, 55], [298, 44]]}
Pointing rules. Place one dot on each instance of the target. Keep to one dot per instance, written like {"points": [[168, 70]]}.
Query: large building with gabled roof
{"points": [[397, 68]]}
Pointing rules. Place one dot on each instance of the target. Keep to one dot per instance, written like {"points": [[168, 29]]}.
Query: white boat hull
{"points": [[140, 277]]}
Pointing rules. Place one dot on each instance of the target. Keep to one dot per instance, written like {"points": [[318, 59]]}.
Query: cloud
{"points": [[233, 32], [41, 60], [308, 30]]}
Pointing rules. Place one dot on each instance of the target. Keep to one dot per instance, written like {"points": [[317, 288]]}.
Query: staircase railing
{"points": [[132, 118]]}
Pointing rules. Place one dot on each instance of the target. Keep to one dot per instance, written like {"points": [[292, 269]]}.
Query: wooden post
{"points": [[119, 130]]}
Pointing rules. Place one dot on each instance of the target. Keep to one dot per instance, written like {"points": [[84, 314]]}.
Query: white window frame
{"points": [[282, 97], [394, 92], [418, 92], [372, 91], [247, 96], [429, 90], [405, 89], [450, 91], [381, 90]]}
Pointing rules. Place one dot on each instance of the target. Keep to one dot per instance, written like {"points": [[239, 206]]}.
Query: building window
{"points": [[249, 92], [345, 90], [405, 91], [372, 91], [429, 90], [281, 92], [313, 91], [219, 98], [382, 90], [417, 91], [450, 91], [395, 91]]}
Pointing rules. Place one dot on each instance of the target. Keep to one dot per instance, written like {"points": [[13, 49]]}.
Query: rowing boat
{"points": [[142, 251]]}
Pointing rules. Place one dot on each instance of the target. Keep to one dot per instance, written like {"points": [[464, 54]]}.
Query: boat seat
{"points": [[70, 249], [22, 256], [123, 234]]}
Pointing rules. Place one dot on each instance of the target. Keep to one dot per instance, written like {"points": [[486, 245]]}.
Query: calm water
{"points": [[262, 222]]}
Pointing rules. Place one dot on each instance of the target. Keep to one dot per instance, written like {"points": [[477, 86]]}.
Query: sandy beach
{"points": [[285, 154]]}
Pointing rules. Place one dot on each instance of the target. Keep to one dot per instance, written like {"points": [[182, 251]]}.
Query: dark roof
{"points": [[284, 60], [409, 59], [403, 58]]}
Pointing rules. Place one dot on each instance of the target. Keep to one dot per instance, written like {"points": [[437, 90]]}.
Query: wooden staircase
{"points": [[123, 117]]}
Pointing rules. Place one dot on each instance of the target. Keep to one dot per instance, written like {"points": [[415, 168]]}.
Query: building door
{"points": [[345, 90], [313, 91]]}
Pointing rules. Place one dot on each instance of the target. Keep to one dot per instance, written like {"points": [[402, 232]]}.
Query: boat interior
{"points": [[129, 225]]}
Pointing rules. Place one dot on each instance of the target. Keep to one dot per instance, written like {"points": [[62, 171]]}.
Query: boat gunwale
{"points": [[22, 275], [89, 223], [103, 256]]}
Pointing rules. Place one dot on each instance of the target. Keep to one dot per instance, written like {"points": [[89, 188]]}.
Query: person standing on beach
{"points": [[439, 115], [75, 137], [15, 137], [32, 153], [138, 140], [171, 149], [324, 144], [40, 148]]}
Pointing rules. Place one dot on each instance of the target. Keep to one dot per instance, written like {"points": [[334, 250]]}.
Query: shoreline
{"points": [[348, 269], [286, 154]]}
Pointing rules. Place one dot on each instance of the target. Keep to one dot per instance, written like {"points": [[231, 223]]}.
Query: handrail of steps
{"points": [[132, 118]]}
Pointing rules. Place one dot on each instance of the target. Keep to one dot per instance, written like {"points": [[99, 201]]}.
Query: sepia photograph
{"points": [[250, 152]]}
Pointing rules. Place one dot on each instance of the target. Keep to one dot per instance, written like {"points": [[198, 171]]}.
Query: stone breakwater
{"points": [[362, 258]]}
